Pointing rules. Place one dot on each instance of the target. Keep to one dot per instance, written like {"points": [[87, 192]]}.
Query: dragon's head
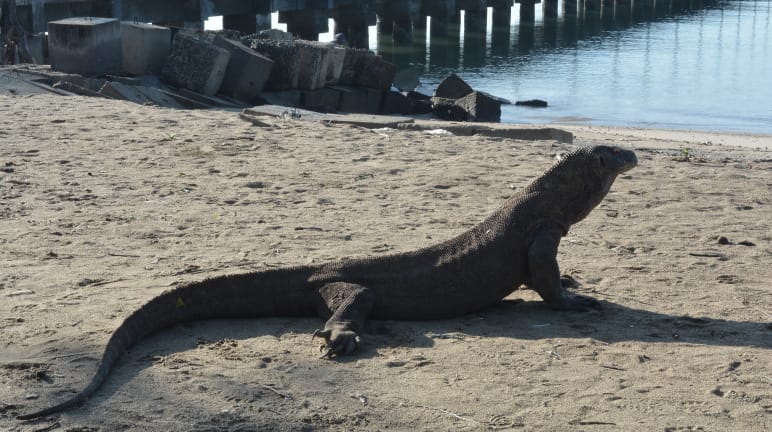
{"points": [[580, 179]]}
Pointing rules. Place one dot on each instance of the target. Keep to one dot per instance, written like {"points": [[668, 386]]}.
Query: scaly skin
{"points": [[516, 245]]}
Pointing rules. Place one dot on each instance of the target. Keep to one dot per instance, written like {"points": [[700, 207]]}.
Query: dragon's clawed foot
{"points": [[339, 340]]}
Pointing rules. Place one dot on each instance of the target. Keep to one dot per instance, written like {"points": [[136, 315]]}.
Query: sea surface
{"points": [[707, 68]]}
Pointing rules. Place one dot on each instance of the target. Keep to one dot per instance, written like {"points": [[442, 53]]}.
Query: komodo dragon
{"points": [[516, 245]]}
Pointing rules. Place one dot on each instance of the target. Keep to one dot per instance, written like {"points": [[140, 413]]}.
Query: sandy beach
{"points": [[106, 204]]}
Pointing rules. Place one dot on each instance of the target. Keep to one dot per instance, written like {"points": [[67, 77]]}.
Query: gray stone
{"points": [[145, 47], [480, 107], [86, 46], [534, 103], [196, 65], [247, 71], [453, 87]]}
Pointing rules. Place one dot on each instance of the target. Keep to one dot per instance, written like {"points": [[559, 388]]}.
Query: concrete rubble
{"points": [[193, 69]]}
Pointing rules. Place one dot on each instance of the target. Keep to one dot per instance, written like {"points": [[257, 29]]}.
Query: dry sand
{"points": [[106, 204]]}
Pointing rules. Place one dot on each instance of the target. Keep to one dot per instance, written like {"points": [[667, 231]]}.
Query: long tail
{"points": [[261, 294]]}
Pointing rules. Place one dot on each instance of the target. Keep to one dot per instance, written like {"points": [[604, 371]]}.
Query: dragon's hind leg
{"points": [[347, 306]]}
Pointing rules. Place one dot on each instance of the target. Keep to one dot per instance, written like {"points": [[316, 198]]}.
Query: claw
{"points": [[324, 334], [326, 352]]}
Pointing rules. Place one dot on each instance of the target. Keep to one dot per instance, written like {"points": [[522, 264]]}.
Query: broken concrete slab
{"points": [[210, 100], [195, 64], [122, 91], [86, 46], [145, 47], [74, 88], [247, 71], [157, 97]]}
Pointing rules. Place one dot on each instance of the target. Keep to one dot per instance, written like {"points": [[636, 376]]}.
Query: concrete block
{"points": [[303, 65], [364, 69], [247, 71], [322, 100], [284, 73], [86, 46], [359, 99], [145, 47], [196, 65]]}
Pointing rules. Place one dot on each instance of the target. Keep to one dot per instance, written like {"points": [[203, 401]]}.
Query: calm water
{"points": [[708, 68]]}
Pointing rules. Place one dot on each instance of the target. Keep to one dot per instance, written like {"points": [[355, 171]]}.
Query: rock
{"points": [[420, 103], [480, 107], [453, 87], [446, 109], [534, 103]]}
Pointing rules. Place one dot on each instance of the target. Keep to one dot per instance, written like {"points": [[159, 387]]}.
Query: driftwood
{"points": [[13, 37]]}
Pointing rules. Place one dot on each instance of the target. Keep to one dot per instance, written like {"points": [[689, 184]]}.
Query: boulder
{"points": [[480, 107], [453, 87], [534, 103]]}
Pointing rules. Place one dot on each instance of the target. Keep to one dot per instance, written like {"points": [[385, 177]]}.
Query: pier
{"points": [[403, 21]]}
